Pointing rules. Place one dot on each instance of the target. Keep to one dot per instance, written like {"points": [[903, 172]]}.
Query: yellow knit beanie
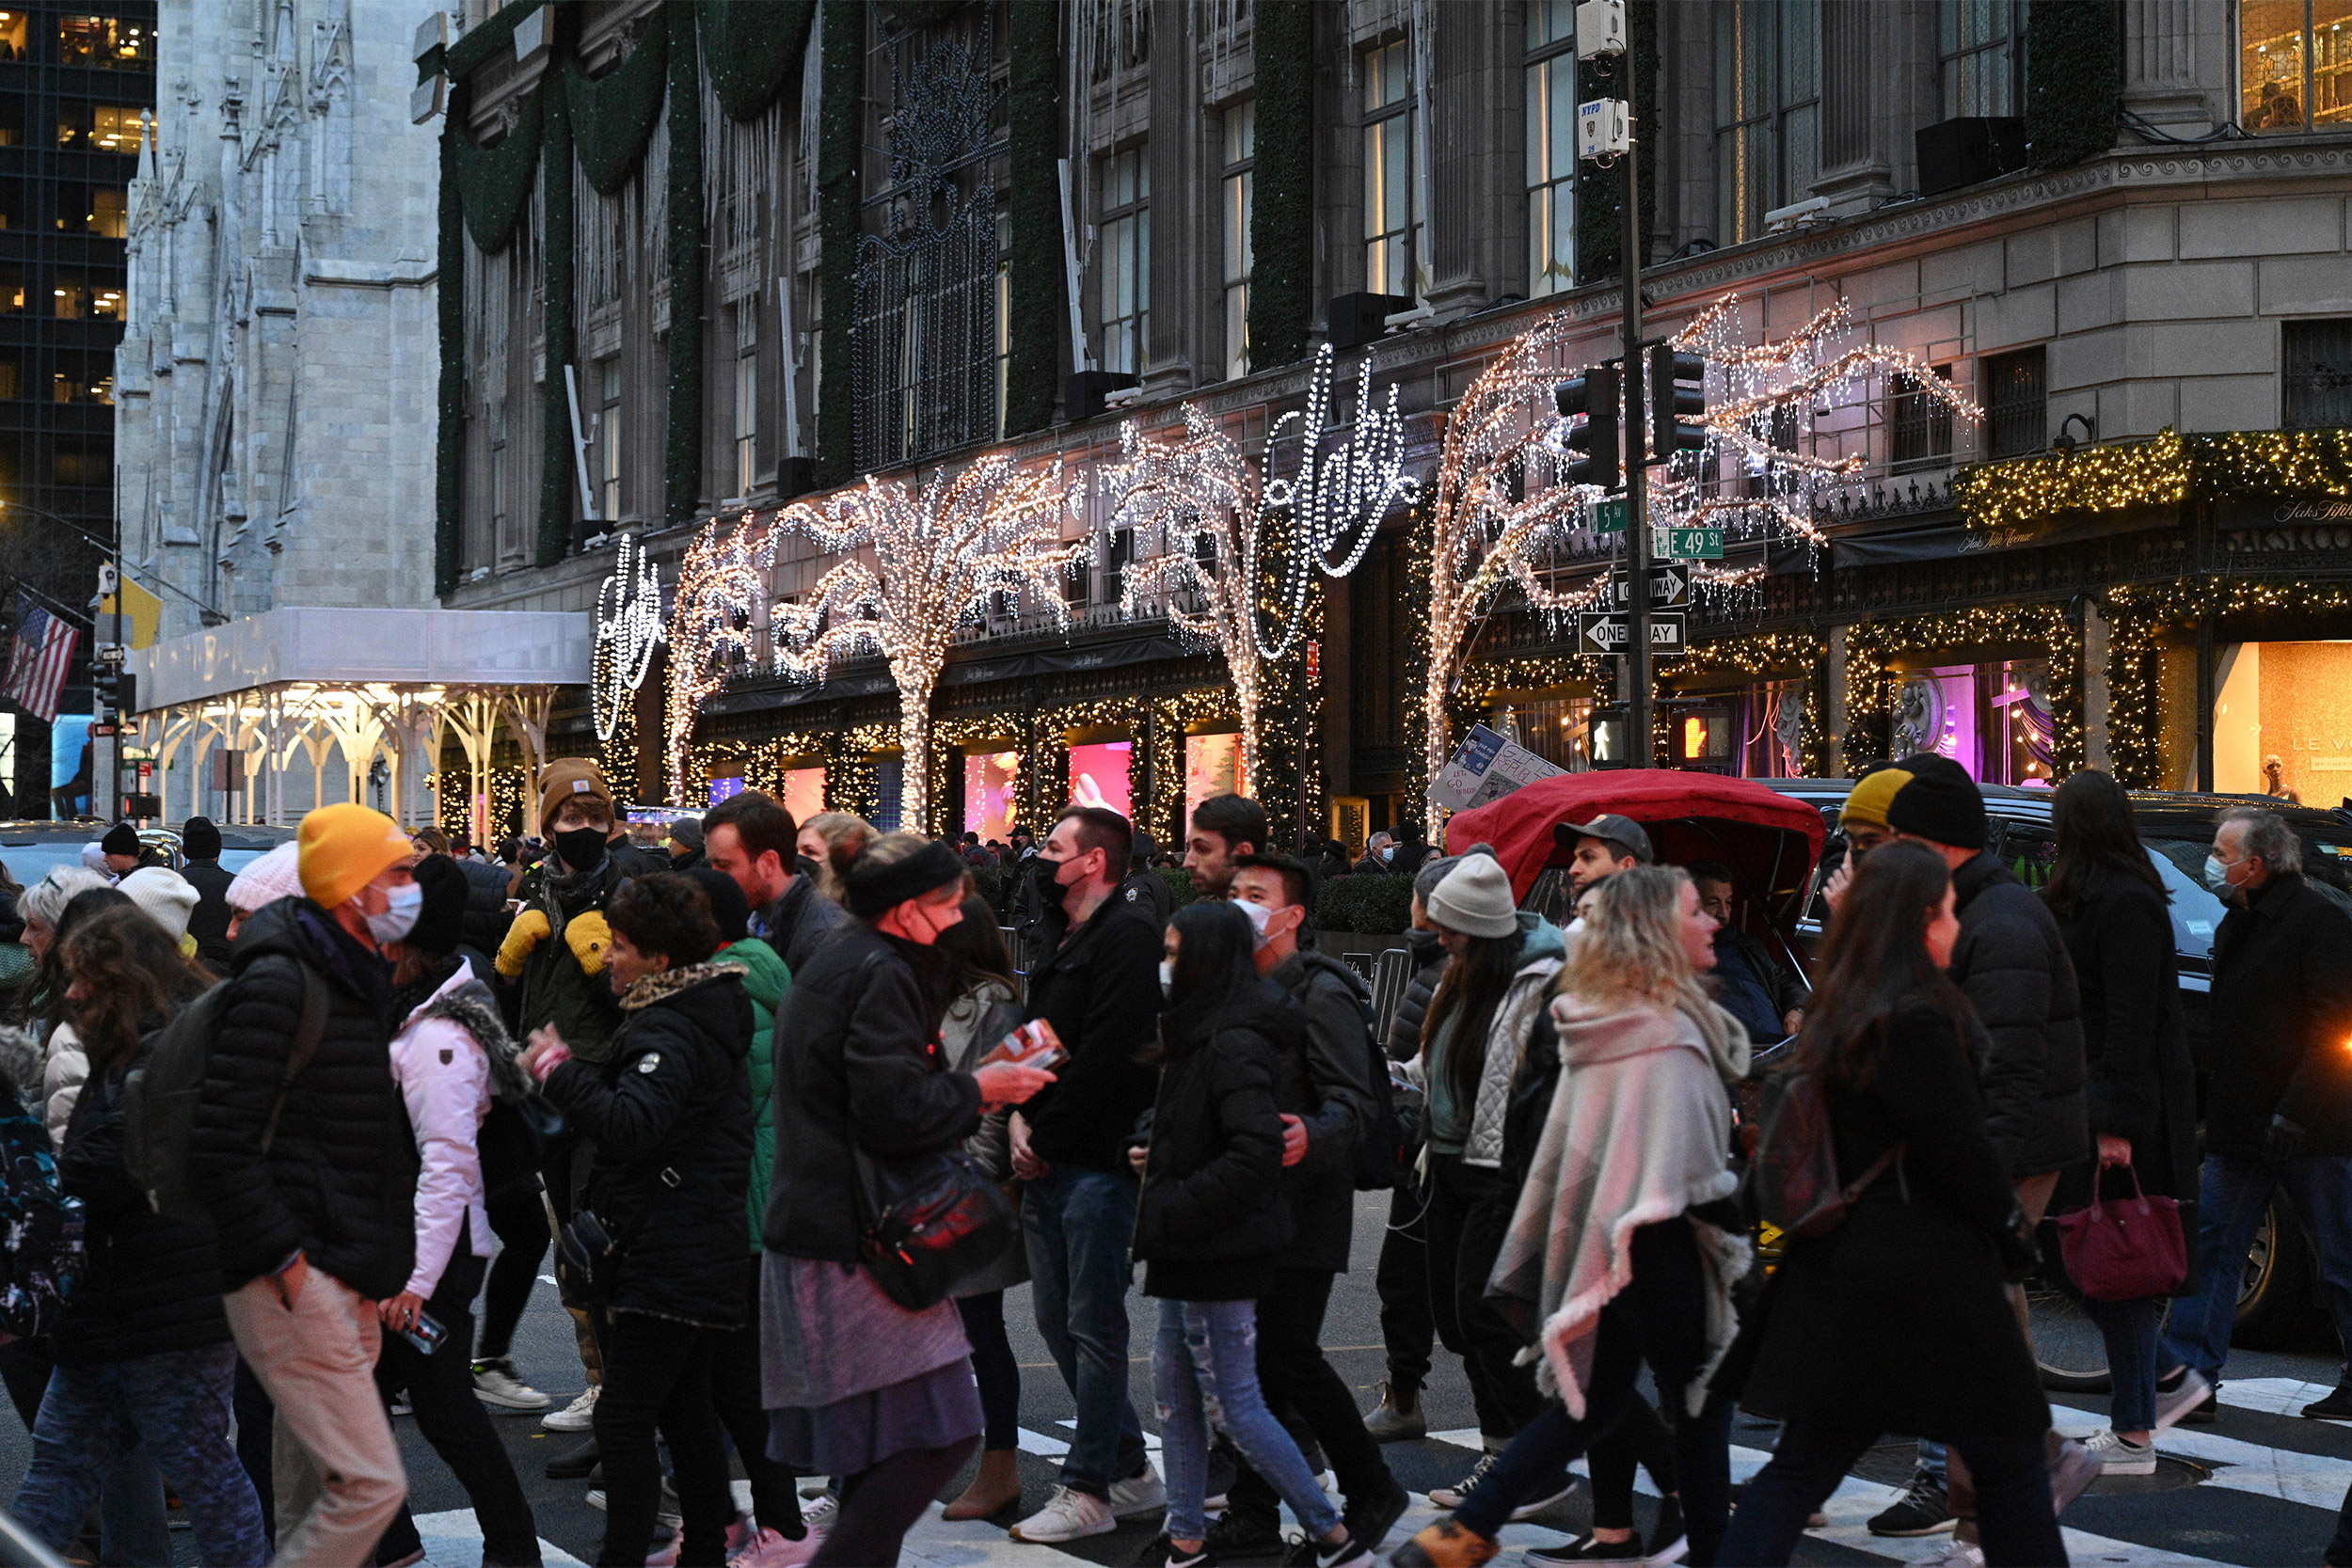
{"points": [[344, 848], [1872, 794]]}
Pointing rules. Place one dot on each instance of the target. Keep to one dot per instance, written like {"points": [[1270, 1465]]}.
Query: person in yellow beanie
{"points": [[1864, 824]]}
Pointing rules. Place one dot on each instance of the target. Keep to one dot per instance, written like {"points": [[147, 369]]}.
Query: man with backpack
{"points": [[300, 1150], [1335, 1123]]}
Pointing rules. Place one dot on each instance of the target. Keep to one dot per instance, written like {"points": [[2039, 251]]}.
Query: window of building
{"points": [[1241, 149], [80, 377], [1125, 248], [2293, 53], [1768, 110], [11, 289], [1981, 54], [99, 127], [746, 395], [1920, 423], [609, 440], [1550, 146], [84, 208], [106, 42], [74, 298], [12, 213], [1391, 212], [2016, 403], [2318, 355], [498, 473], [12, 121], [82, 465], [11, 376], [11, 35]]}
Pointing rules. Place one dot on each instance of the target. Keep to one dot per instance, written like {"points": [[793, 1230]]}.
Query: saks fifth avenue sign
{"points": [[2318, 523]]}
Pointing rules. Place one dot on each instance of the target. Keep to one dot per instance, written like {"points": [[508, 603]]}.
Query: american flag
{"points": [[37, 664]]}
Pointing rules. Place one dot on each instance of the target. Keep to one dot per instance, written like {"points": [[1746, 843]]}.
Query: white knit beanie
{"points": [[1475, 899], [275, 876], [162, 895]]}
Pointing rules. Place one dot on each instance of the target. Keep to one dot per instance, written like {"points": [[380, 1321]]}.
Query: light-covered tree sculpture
{"points": [[711, 630], [916, 566]]}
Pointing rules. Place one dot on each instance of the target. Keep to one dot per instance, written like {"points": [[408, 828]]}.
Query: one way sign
{"points": [[1669, 586], [1600, 633]]}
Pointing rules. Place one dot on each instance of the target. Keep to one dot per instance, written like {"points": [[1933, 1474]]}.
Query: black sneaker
{"points": [[1235, 1534], [2335, 1407], [1161, 1553], [1922, 1509], [575, 1462], [1588, 1548], [1370, 1519], [1348, 1553]]}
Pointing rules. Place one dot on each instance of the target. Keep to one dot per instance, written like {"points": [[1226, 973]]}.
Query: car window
{"points": [[234, 859], [2196, 912], [2328, 865], [29, 862], [2028, 849]]}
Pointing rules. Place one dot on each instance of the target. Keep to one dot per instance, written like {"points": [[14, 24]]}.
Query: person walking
{"points": [[752, 838], [1480, 1017], [1327, 1095], [1213, 1221], [143, 1354], [858, 1388], [315, 1223], [983, 1008], [1623, 1245], [1098, 987], [2276, 1104], [199, 844], [2142, 1085], [1896, 1320], [668, 1112], [452, 1056]]}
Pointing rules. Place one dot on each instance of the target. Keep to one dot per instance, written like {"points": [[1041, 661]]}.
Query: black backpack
{"points": [[1382, 1154]]}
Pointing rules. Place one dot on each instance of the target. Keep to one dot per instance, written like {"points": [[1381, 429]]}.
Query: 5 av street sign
{"points": [[1601, 632]]}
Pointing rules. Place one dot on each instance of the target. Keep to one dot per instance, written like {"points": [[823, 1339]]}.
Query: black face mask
{"points": [[581, 849], [1049, 892]]}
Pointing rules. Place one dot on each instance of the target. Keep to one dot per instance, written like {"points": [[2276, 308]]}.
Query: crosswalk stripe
{"points": [[2314, 1480], [453, 1540], [2274, 1396]]}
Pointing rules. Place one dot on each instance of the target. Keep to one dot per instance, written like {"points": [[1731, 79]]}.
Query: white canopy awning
{"points": [[368, 648]]}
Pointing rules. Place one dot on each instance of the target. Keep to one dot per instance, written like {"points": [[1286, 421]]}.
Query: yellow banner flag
{"points": [[142, 612]]}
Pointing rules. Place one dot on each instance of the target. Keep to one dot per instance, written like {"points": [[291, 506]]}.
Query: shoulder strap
{"points": [[306, 1045]]}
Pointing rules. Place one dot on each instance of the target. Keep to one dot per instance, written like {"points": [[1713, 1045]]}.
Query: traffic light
{"points": [[115, 689], [1593, 394], [1677, 403]]}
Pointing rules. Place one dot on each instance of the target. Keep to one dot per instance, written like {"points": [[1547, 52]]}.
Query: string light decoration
{"points": [[1873, 683], [2166, 471], [939, 556], [710, 631], [629, 632]]}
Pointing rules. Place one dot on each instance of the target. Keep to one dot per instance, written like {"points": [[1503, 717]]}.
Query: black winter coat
{"points": [[149, 1285], [2140, 1083], [1898, 1321], [553, 988], [1332, 1040], [669, 1110], [208, 922], [2281, 1010], [858, 1061], [1403, 1041], [484, 921], [2010, 961], [339, 1181], [1100, 989], [798, 923], [1211, 1220]]}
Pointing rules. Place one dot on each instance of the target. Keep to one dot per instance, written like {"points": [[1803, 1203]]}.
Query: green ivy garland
{"points": [[751, 46], [493, 182], [555, 415], [1282, 190], [2073, 81], [682, 464], [838, 137], [1599, 207], [614, 115], [449, 304], [494, 34], [1034, 145]]}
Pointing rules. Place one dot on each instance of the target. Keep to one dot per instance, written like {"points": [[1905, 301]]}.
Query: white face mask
{"points": [[400, 916], [1259, 915], [1388, 852], [2216, 875], [1168, 977]]}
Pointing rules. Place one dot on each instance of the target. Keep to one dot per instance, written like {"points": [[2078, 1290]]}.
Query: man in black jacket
{"points": [[2276, 1115], [1327, 1109], [199, 841], [753, 839], [1098, 985], [316, 1222]]}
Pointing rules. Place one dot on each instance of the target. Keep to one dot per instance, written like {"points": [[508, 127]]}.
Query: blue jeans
{"points": [[177, 1403], [2230, 1194], [2129, 1328], [1078, 1224], [1206, 1359]]}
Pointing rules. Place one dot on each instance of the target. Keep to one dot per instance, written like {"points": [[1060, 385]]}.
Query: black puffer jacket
{"points": [[796, 924], [149, 1284], [340, 1181], [552, 987], [484, 921], [669, 1110], [1211, 1219], [857, 1057], [208, 922], [2012, 962], [1332, 1040], [1403, 1041]]}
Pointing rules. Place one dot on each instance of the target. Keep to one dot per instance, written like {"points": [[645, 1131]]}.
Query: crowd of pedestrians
{"points": [[771, 1094]]}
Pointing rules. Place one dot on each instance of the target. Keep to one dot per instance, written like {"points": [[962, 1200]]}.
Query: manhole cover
{"points": [[2172, 1475]]}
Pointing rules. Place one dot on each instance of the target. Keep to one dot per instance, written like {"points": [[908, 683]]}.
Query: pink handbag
{"points": [[2127, 1250]]}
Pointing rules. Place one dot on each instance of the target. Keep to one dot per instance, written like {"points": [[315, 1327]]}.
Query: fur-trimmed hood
{"points": [[651, 988], [470, 1006]]}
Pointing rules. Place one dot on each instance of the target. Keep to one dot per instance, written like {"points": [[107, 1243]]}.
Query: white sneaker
{"points": [[579, 1415], [495, 1383], [817, 1513], [1451, 1497], [2118, 1455], [1068, 1515], [2171, 1408], [1952, 1553], [1138, 1495], [773, 1550]]}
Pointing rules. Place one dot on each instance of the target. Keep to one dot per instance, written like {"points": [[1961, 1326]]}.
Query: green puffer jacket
{"points": [[765, 979]]}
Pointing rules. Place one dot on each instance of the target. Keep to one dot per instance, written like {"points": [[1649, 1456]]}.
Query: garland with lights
{"points": [[494, 182], [2074, 80], [750, 47], [718, 593], [1873, 683], [614, 115], [2168, 470], [1282, 190], [839, 151], [449, 447], [1600, 192]]}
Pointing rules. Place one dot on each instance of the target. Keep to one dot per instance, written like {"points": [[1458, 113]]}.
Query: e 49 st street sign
{"points": [[1603, 632]]}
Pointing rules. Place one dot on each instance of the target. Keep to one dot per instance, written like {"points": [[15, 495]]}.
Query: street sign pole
{"points": [[1636, 424]]}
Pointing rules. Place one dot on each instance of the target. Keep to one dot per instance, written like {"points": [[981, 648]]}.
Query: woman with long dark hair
{"points": [[1485, 1008], [2140, 1083], [1898, 1319], [143, 1354], [1211, 1221]]}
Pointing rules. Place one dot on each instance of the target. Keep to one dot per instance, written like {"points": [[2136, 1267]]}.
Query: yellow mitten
{"points": [[529, 929], [590, 939]]}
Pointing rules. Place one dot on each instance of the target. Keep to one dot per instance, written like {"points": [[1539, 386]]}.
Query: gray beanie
{"points": [[1475, 899]]}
